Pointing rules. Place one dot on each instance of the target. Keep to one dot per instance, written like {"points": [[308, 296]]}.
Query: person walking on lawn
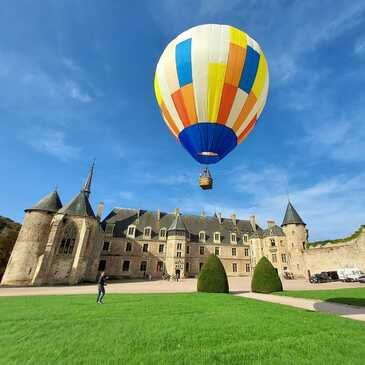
{"points": [[101, 288]]}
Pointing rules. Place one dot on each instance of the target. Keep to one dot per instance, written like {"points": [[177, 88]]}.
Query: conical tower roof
{"points": [[291, 216], [50, 203], [79, 206], [177, 224]]}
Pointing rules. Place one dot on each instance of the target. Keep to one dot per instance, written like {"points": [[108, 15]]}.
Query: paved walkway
{"points": [[343, 310], [236, 285]]}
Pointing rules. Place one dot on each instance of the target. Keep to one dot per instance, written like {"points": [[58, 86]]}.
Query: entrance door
{"points": [[177, 273]]}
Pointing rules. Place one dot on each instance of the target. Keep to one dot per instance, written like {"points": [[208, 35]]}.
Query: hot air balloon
{"points": [[211, 84]]}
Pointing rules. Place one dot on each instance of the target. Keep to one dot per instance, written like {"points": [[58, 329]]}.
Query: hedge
{"points": [[265, 278], [212, 277]]}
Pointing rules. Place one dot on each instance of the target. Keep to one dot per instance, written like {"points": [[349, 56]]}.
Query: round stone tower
{"points": [[31, 241], [296, 238]]}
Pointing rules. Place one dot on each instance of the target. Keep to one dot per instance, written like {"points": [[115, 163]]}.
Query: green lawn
{"points": [[172, 329], [352, 296]]}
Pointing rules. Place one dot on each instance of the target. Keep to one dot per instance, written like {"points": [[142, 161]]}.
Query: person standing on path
{"points": [[101, 288]]}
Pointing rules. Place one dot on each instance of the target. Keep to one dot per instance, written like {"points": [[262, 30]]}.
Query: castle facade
{"points": [[71, 244]]}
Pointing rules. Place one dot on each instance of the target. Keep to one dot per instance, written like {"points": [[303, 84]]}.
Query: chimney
{"points": [[253, 222], [158, 214], [219, 217], [270, 224], [234, 219], [138, 214], [100, 210], [177, 211]]}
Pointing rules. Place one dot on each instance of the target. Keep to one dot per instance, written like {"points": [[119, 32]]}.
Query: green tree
{"points": [[213, 278], [265, 278]]}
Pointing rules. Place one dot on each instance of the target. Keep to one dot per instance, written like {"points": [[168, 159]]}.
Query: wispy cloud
{"points": [[52, 142], [75, 92]]}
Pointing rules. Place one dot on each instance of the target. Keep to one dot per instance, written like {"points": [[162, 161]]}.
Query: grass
{"points": [[351, 296], [172, 329]]}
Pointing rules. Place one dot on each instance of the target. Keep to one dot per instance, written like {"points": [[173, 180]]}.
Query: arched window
{"points": [[68, 240]]}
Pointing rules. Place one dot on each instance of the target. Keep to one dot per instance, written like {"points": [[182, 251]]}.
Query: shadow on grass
{"points": [[238, 291]]}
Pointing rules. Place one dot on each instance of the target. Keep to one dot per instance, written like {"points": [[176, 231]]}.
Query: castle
{"points": [[70, 244]]}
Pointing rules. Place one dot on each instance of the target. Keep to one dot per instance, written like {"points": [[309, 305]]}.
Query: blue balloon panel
{"points": [[208, 143]]}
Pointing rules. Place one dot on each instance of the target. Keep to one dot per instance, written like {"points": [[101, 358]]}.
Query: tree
{"points": [[213, 278], [265, 278]]}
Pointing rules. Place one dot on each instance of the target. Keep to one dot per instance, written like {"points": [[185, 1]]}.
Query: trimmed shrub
{"points": [[213, 278], [265, 278]]}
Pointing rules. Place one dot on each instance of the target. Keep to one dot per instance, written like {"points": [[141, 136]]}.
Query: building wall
{"points": [[28, 248], [117, 254]]}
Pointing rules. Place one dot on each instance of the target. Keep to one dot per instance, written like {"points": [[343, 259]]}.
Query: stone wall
{"points": [[331, 257]]}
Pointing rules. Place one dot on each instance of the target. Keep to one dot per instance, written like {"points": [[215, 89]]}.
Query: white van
{"points": [[349, 274]]}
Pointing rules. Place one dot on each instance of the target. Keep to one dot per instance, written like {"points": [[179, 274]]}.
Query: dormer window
{"points": [[272, 241], [162, 233], [245, 238], [147, 233], [201, 236], [233, 238], [217, 237], [131, 232]]}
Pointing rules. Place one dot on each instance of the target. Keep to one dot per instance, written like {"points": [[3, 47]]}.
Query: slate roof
{"points": [[122, 218], [273, 231], [79, 206], [177, 224], [291, 216], [50, 203]]}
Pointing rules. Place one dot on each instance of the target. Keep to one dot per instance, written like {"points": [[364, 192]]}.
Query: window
{"points": [[187, 249], [201, 265], [233, 238], [217, 237], [109, 229], [272, 241], [68, 240], [106, 246], [126, 265], [102, 265], [202, 236], [245, 238], [274, 259], [178, 254], [202, 250], [247, 252], [303, 245], [178, 246], [283, 257], [234, 267], [247, 267], [128, 247], [147, 232], [159, 267], [187, 267], [131, 231], [216, 251], [160, 248], [234, 251], [143, 266], [145, 247], [163, 233]]}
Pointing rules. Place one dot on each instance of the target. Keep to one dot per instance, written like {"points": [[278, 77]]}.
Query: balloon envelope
{"points": [[211, 84]]}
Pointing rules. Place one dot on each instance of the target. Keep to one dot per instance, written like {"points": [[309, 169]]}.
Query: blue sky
{"points": [[76, 83]]}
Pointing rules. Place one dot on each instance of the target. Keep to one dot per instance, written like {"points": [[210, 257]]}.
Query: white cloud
{"points": [[359, 48], [52, 142], [126, 195], [75, 92]]}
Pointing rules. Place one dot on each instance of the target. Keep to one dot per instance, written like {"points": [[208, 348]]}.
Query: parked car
{"points": [[349, 274], [362, 279], [322, 277]]}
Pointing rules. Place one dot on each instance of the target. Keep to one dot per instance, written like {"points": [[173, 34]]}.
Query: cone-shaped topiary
{"points": [[213, 278], [265, 278]]}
